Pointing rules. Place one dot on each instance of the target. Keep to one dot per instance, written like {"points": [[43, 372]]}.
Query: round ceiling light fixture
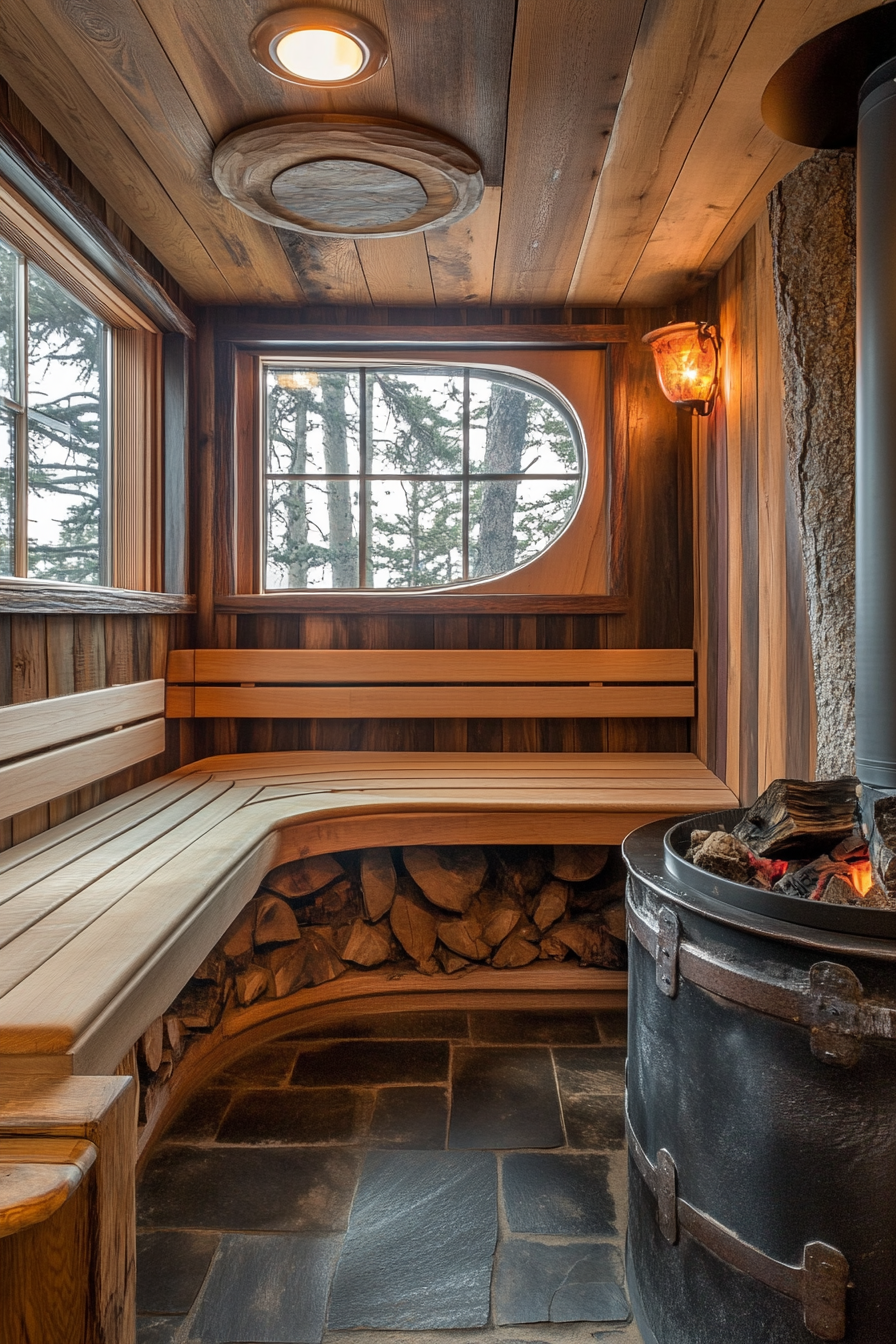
{"points": [[319, 47]]}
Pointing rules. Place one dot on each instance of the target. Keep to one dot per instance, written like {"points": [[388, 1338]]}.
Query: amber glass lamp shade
{"points": [[687, 363]]}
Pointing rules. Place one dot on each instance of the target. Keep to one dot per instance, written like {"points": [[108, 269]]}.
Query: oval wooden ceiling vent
{"points": [[366, 177]]}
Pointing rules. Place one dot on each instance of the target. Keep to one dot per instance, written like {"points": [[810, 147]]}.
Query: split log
{"points": [[175, 1034], [449, 961], [238, 940], [521, 870], [551, 905], [378, 882], [882, 844], [213, 969], [310, 961], [798, 817], [464, 936], [152, 1043], [552, 949], [336, 905], [303, 877], [366, 944], [414, 924], [808, 880], [199, 1005], [252, 983], [725, 855], [501, 926], [448, 877], [274, 921], [579, 863], [613, 917], [592, 944], [515, 951]]}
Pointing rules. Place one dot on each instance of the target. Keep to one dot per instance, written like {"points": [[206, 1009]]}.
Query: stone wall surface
{"points": [[812, 215]]}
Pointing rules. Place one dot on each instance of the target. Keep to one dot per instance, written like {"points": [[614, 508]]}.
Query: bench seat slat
{"points": [[388, 666], [39, 724], [37, 779], [43, 937], [90, 850], [63, 899], [425, 702]]}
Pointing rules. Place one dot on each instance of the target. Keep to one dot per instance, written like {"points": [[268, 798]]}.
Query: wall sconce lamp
{"points": [[687, 363]]}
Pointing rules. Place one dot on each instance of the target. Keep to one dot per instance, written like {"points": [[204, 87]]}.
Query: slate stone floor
{"points": [[394, 1178]]}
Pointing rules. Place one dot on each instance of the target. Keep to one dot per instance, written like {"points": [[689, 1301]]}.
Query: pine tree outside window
{"points": [[385, 477], [54, 429]]}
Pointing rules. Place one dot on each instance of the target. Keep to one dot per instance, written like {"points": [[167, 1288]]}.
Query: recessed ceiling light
{"points": [[319, 47]]}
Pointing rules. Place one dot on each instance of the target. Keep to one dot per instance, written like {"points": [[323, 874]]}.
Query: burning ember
{"points": [[805, 840]]}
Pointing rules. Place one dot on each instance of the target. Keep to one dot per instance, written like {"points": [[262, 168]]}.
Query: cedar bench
{"points": [[105, 917]]}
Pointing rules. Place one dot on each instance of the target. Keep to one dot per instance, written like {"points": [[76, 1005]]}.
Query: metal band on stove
{"points": [[830, 1001], [819, 1283]]}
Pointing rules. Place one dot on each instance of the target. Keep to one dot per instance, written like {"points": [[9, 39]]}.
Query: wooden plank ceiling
{"points": [[623, 149]]}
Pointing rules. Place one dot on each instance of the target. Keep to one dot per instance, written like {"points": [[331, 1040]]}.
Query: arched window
{"points": [[402, 476]]}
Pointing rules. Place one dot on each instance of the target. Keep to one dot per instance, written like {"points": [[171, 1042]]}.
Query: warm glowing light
{"points": [[320, 54], [687, 363], [862, 877], [302, 380]]}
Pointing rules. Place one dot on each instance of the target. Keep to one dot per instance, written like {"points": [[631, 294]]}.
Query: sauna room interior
{"points": [[447, 631]]}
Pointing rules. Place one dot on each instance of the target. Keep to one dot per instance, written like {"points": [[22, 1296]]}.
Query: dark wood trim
{"points": [[568, 336], [56, 201], [175, 404], [40, 597], [423, 604], [617, 465]]}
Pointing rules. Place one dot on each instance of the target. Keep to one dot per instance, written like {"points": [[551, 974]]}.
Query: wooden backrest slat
{"points": [[39, 724], [433, 666]]}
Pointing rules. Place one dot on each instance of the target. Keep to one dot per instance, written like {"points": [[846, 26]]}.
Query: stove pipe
{"points": [[876, 433]]}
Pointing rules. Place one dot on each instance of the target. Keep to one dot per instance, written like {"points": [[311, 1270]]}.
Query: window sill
{"points": [[446, 603], [39, 597]]}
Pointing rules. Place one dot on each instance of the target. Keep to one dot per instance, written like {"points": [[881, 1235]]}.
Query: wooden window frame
{"points": [[135, 502], [595, 583]]}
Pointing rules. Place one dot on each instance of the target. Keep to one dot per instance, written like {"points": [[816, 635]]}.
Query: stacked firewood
{"points": [[437, 910], [807, 839]]}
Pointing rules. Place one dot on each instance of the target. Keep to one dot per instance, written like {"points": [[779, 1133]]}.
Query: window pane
{"points": [[312, 421], [7, 498], [312, 539], [9, 270], [416, 422], [414, 533], [66, 434], [513, 521], [516, 431]]}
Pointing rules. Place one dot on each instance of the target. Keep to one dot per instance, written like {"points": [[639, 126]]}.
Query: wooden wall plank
{"points": [[681, 57], [115, 50], [570, 60], [39, 70], [731, 151]]}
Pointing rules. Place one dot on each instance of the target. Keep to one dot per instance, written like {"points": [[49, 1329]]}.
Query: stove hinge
{"points": [[819, 1283], [830, 1001]]}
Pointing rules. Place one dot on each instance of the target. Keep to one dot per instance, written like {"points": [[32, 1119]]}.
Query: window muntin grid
{"points": [[410, 476]]}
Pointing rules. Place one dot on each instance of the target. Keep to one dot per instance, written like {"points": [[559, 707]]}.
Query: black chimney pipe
{"points": [[876, 433]]}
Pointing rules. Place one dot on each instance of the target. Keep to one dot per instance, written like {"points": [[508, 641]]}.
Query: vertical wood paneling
{"points": [[756, 707]]}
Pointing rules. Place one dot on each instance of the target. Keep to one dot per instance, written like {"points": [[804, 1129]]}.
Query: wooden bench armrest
{"points": [[38, 1176]]}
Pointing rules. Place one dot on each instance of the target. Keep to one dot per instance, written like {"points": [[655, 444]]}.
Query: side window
{"points": [[54, 429], [390, 477]]}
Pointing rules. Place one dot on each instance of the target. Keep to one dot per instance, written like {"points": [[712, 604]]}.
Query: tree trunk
{"points": [[505, 439], [813, 225], [296, 536], [343, 553]]}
